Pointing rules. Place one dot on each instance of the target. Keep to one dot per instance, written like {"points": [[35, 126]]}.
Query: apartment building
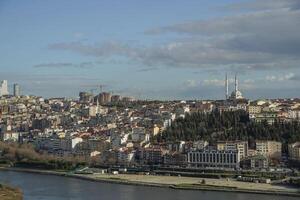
{"points": [[271, 149], [240, 146]]}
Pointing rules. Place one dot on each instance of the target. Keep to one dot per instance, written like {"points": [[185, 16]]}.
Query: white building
{"points": [[94, 110], [56, 144], [4, 88], [10, 136]]}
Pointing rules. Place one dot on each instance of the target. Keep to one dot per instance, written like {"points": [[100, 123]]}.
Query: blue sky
{"points": [[169, 49]]}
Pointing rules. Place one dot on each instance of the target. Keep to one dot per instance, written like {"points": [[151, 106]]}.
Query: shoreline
{"points": [[8, 192], [113, 179]]}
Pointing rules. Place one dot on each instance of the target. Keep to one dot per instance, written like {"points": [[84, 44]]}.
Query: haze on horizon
{"points": [[155, 49]]}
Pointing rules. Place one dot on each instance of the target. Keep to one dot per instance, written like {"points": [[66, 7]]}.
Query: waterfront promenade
{"points": [[177, 182], [197, 183]]}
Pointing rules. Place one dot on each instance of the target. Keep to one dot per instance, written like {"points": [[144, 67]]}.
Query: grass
{"points": [[116, 178], [186, 185]]}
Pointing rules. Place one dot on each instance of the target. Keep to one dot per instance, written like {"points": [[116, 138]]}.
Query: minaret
{"points": [[236, 84], [226, 86]]}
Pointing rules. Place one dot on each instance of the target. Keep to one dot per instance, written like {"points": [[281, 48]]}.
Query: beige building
{"points": [[240, 146], [254, 109], [271, 149], [294, 151]]}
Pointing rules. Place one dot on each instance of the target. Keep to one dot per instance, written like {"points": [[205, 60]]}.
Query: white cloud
{"points": [[214, 82], [264, 39], [191, 83], [65, 65], [249, 81], [279, 78]]}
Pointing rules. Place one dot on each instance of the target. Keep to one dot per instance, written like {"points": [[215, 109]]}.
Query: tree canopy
{"points": [[229, 125]]}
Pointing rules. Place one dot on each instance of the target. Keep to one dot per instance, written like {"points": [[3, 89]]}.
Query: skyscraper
{"points": [[3, 88], [16, 90]]}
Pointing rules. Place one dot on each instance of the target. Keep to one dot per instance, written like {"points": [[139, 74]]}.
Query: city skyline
{"points": [[7, 89], [158, 50], [116, 98]]}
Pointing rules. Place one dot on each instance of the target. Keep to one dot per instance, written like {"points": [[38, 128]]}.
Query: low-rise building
{"points": [[269, 117], [57, 144], [125, 156], [213, 159], [153, 155], [200, 144], [10, 136], [257, 162], [175, 158]]}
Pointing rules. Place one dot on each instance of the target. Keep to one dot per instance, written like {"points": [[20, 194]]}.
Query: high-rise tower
{"points": [[16, 90], [3, 88]]}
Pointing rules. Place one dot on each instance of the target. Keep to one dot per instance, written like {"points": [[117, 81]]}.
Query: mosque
{"points": [[236, 94]]}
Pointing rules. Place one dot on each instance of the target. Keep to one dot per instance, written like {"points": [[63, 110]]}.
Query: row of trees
{"points": [[230, 125], [24, 155]]}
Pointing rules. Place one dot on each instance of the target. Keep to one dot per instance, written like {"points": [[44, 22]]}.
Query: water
{"points": [[46, 187]]}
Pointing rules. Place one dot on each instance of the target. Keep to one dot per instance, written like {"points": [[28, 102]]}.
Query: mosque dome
{"points": [[236, 95]]}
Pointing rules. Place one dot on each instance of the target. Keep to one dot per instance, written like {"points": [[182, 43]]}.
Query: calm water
{"points": [[45, 187]]}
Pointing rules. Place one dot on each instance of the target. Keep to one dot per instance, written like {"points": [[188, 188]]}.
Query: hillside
{"points": [[231, 125]]}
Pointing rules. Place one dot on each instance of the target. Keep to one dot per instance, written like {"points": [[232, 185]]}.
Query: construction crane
{"points": [[96, 87], [101, 86]]}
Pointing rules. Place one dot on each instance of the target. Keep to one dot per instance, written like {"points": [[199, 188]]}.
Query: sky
{"points": [[158, 49]]}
